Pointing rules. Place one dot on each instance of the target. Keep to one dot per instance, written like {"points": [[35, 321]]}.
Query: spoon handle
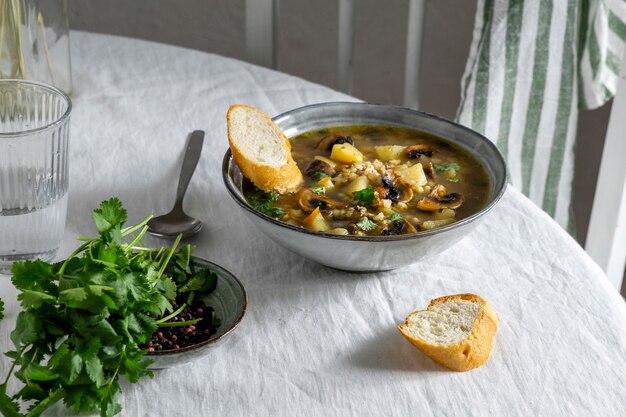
{"points": [[192, 155]]}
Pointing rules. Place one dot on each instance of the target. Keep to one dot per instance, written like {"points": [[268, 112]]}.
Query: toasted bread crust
{"points": [[468, 353], [284, 179]]}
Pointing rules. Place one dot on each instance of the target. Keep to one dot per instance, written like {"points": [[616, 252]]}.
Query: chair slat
{"points": [[261, 32], [414, 39], [345, 46], [606, 236]]}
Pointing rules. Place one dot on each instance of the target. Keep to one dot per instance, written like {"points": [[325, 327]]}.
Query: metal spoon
{"points": [[176, 221]]}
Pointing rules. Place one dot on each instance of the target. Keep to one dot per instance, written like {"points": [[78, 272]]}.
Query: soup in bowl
{"points": [[384, 186]]}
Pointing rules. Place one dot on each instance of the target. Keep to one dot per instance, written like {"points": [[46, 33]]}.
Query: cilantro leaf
{"points": [[133, 367], [36, 372], [195, 283], [364, 197], [8, 407], [395, 217], [27, 329], [157, 304], [183, 258], [33, 275], [214, 319], [447, 167], [1, 309], [275, 212], [167, 287], [211, 280], [318, 189], [366, 224], [81, 398], [34, 299], [73, 297], [95, 370], [110, 403], [453, 179], [264, 202], [109, 218], [318, 176]]}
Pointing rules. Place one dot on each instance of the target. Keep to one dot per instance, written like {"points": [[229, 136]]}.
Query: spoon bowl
{"points": [[176, 222]]}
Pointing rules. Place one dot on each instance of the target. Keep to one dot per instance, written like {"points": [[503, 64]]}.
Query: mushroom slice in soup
{"points": [[396, 189], [309, 201], [438, 199], [398, 227], [429, 170], [416, 151], [327, 143], [318, 166]]}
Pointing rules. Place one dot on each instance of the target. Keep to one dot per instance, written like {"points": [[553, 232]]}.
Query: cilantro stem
{"points": [[169, 255], [15, 361], [162, 254], [124, 231], [142, 249], [137, 238], [179, 323], [72, 255], [46, 403], [174, 314], [128, 230]]}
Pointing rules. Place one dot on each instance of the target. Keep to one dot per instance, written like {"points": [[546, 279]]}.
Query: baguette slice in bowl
{"points": [[455, 331], [261, 150]]}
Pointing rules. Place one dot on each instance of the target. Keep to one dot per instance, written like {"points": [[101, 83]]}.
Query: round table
{"points": [[316, 341]]}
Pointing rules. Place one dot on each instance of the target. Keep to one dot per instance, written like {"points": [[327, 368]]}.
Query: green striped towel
{"points": [[532, 65]]}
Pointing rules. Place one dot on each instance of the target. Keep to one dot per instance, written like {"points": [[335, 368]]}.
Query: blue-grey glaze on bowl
{"points": [[228, 299], [372, 253]]}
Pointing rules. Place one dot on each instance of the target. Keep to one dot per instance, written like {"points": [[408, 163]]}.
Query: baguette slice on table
{"points": [[261, 150], [456, 331]]}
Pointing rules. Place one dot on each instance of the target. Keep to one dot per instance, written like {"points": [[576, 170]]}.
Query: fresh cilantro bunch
{"points": [[84, 319]]}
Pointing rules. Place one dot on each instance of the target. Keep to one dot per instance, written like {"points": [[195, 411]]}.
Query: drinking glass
{"points": [[35, 42], [34, 136]]}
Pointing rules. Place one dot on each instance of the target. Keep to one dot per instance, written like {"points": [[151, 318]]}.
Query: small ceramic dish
{"points": [[228, 299], [372, 253]]}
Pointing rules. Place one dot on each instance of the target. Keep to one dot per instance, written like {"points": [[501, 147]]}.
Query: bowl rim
{"points": [[211, 340], [239, 199]]}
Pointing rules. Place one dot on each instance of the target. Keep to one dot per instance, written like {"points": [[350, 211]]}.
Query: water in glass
{"points": [[34, 135]]}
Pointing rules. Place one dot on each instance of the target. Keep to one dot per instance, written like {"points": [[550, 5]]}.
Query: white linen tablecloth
{"points": [[316, 341]]}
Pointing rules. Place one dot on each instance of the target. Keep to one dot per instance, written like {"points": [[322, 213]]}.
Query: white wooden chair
{"points": [[606, 238]]}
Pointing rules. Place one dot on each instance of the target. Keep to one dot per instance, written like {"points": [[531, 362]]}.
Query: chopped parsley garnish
{"points": [[453, 179], [318, 189], [447, 167], [364, 197], [264, 202], [319, 176], [395, 217], [366, 224]]}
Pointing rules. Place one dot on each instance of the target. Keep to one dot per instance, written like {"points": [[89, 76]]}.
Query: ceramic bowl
{"points": [[228, 299], [372, 253]]}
